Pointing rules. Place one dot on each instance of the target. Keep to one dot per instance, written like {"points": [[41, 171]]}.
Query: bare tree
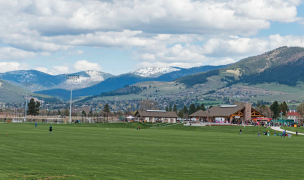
{"points": [[147, 104], [265, 110]]}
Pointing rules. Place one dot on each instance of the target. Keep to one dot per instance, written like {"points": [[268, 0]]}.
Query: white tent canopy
{"points": [[130, 117]]}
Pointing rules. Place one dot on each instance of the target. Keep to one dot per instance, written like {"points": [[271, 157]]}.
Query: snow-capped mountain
{"points": [[154, 71], [42, 81]]}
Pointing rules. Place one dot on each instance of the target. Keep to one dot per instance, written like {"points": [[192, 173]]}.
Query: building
{"points": [[293, 115], [156, 116], [228, 114]]}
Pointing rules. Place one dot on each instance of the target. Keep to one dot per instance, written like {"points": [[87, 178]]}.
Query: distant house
{"points": [[293, 115], [156, 116]]}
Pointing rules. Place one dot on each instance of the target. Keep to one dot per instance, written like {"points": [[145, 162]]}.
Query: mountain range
{"points": [[283, 65], [279, 71], [42, 81], [116, 82]]}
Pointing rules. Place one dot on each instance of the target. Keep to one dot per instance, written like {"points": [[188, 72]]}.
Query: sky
{"points": [[119, 36]]}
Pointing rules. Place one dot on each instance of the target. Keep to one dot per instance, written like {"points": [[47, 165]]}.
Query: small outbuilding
{"points": [[156, 116]]}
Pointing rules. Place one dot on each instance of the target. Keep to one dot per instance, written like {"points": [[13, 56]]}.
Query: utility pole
{"points": [[70, 79]]}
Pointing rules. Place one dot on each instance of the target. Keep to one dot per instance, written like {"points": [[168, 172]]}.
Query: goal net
{"points": [[18, 120]]}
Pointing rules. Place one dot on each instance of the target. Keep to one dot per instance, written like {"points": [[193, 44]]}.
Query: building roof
{"points": [[218, 111], [293, 113], [157, 114], [200, 113]]}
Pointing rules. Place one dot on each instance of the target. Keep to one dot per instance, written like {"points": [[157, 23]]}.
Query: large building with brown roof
{"points": [[156, 116], [228, 113]]}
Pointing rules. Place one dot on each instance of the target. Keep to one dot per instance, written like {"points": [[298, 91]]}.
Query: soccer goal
{"points": [[18, 120], [55, 120]]}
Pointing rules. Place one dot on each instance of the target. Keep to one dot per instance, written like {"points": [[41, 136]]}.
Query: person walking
{"points": [[259, 134], [35, 124], [240, 132], [284, 133], [297, 133], [51, 129], [268, 133]]}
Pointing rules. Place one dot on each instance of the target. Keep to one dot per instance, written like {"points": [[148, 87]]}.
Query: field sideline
{"points": [[115, 151]]}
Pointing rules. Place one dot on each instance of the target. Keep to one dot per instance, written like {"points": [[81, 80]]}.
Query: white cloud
{"points": [[224, 61], [9, 53], [52, 26], [177, 53], [159, 31], [217, 51], [84, 65], [12, 66], [59, 69], [274, 10], [54, 70]]}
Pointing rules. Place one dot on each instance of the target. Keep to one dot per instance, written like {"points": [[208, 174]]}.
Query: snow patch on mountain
{"points": [[96, 75], [154, 71], [92, 76]]}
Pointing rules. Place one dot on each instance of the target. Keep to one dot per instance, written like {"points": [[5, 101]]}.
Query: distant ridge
{"points": [[283, 65], [117, 82]]}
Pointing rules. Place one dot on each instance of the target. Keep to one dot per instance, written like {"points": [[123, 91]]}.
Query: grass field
{"points": [[115, 151]]}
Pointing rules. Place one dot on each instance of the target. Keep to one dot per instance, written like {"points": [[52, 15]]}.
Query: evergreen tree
{"points": [[275, 109], [167, 108], [180, 114], [58, 112], [185, 110], [170, 107], [106, 109], [84, 113], [203, 107], [33, 108], [286, 108], [37, 108], [198, 107], [175, 108], [192, 109]]}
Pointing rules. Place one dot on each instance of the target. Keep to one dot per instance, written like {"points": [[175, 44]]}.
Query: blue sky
{"points": [[116, 37]]}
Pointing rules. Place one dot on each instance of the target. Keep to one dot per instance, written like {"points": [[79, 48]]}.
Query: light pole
{"points": [[71, 78], [26, 84]]}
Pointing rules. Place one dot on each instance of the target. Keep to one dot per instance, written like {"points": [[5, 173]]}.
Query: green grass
{"points": [[115, 151]]}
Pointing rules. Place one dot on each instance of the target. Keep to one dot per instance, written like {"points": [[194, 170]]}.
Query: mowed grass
{"points": [[115, 151]]}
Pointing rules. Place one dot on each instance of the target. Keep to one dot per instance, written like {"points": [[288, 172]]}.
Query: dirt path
{"points": [[279, 129]]}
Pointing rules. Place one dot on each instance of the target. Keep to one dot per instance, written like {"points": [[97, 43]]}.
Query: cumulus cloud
{"points": [[84, 65], [217, 51], [12, 66], [54, 70], [9, 53], [156, 31], [274, 10], [224, 61], [59, 25]]}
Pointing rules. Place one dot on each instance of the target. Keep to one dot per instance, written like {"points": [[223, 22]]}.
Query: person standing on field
{"points": [[51, 129], [259, 134], [240, 131]]}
